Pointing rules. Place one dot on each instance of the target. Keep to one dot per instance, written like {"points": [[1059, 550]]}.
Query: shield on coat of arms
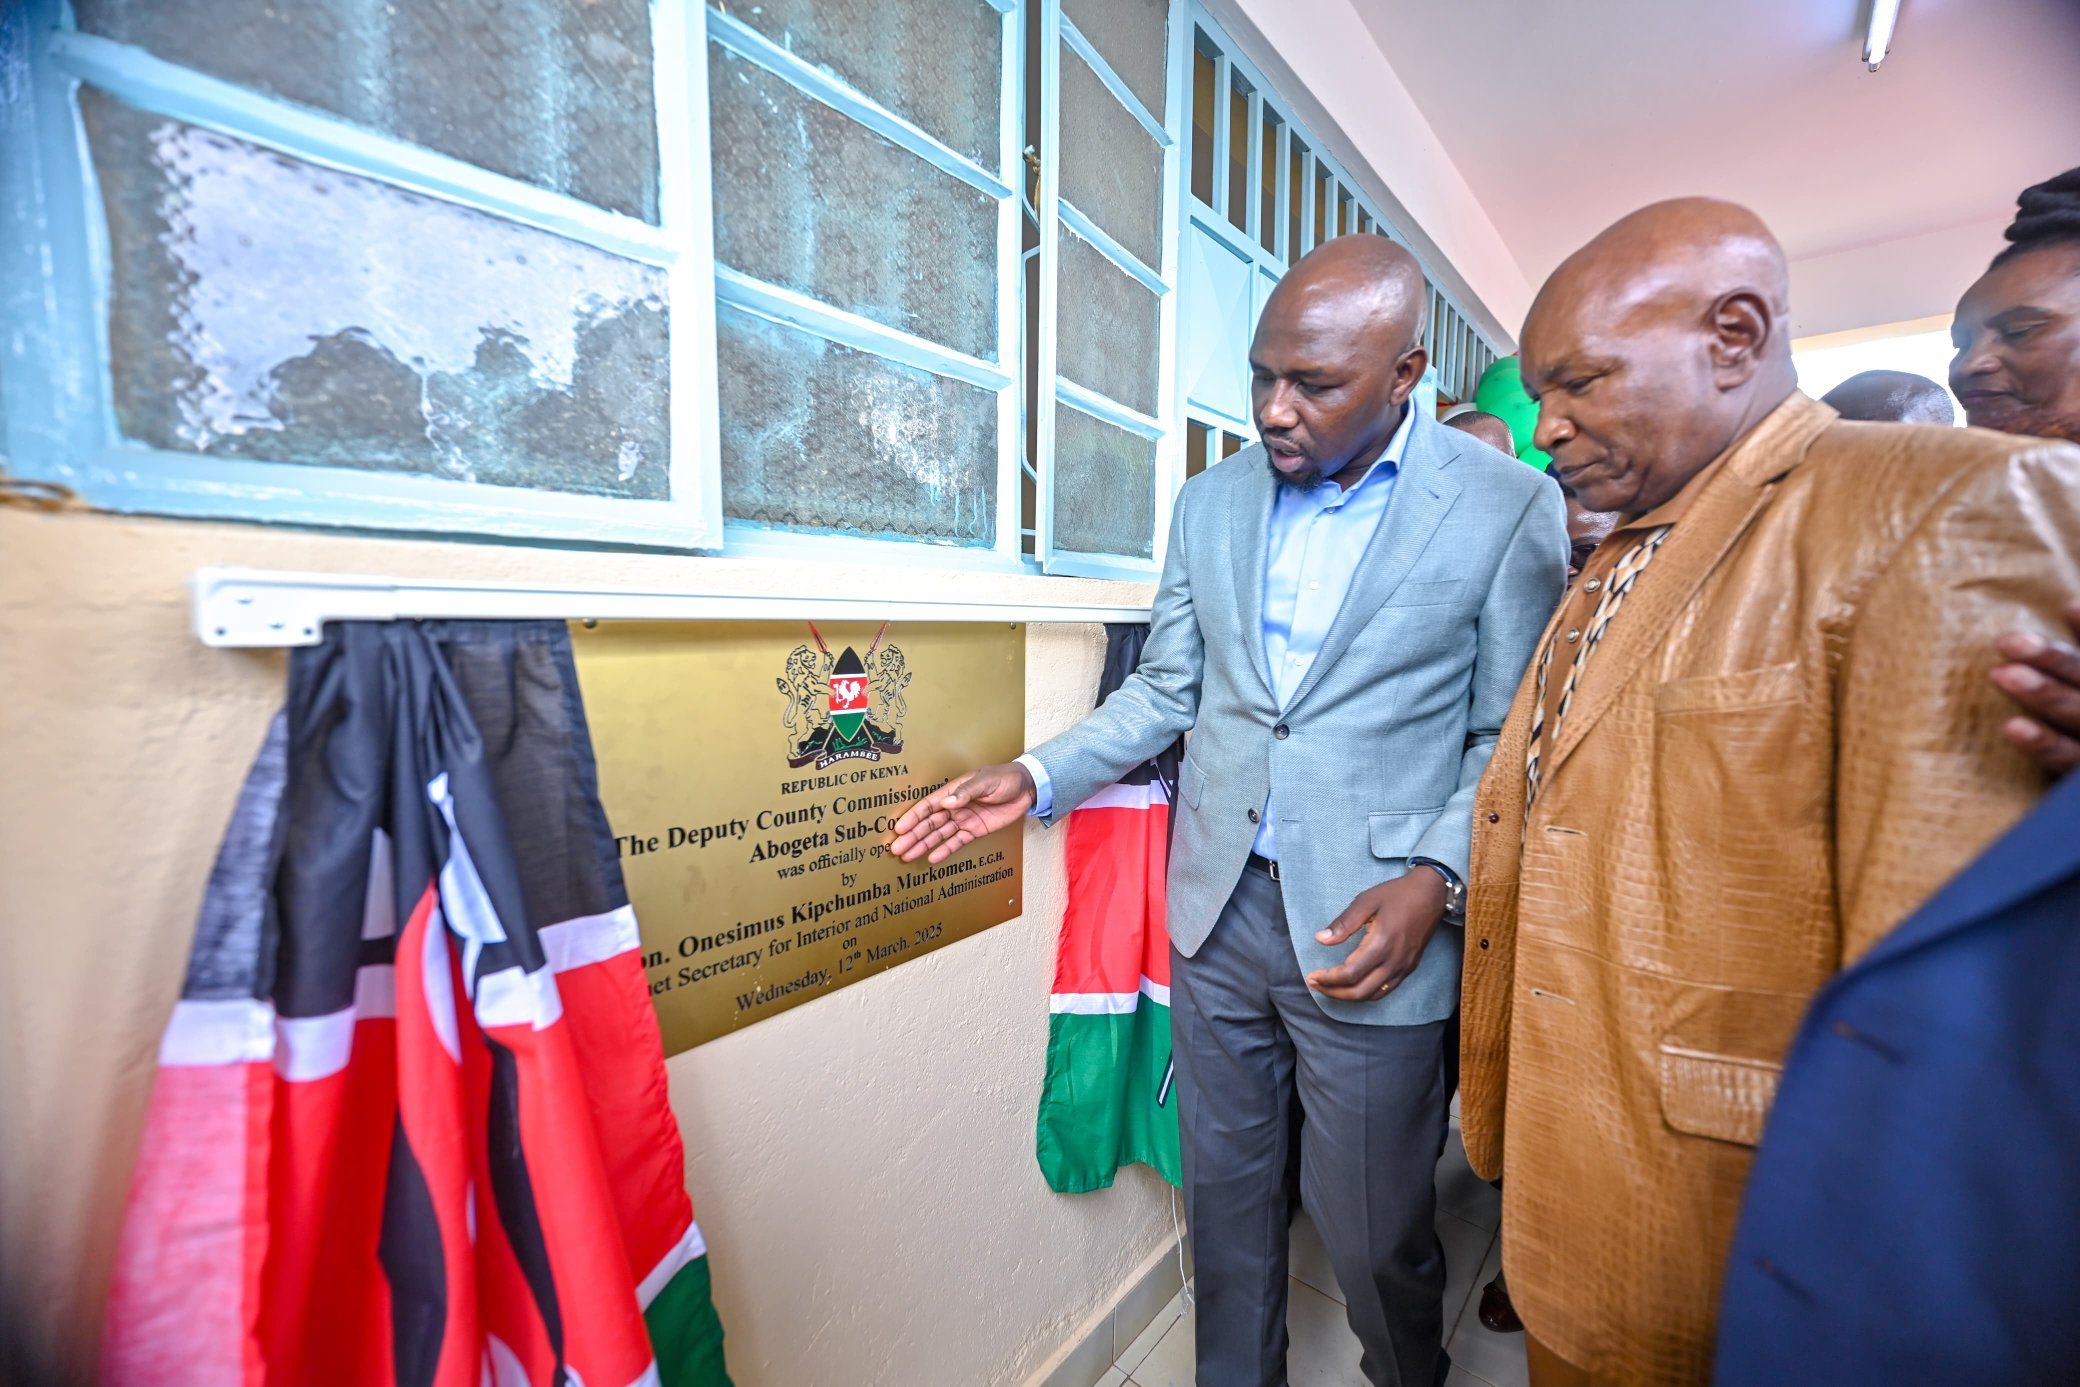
{"points": [[849, 696]]}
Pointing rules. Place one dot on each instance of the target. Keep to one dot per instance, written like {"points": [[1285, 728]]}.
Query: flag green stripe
{"points": [[685, 1331], [1099, 1107]]}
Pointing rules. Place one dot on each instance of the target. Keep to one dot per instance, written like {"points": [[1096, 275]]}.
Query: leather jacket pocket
{"points": [[1720, 1057], [1721, 1096]]}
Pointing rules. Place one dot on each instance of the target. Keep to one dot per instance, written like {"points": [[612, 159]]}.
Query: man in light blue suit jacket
{"points": [[1345, 613]]}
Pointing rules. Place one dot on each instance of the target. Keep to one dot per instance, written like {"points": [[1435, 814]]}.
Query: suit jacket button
{"points": [[1281, 732], [1252, 816], [1484, 943], [1493, 817]]}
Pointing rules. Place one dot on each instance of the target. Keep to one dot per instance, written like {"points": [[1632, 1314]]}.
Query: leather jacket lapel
{"points": [[1709, 529]]}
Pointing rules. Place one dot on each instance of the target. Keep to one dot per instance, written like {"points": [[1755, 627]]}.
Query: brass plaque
{"points": [[752, 769]]}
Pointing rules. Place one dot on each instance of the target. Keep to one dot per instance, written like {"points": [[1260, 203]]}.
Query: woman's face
{"points": [[2017, 334]]}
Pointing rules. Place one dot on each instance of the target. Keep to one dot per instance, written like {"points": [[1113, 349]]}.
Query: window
{"points": [[1236, 248], [797, 276], [1205, 445], [511, 333], [1102, 477], [866, 225]]}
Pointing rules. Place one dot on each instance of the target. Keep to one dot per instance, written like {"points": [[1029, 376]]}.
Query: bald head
{"points": [[1336, 355], [1687, 252], [1361, 281], [1488, 428], [1897, 397], [1655, 346]]}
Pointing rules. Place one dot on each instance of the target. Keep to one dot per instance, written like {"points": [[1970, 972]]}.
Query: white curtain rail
{"points": [[254, 607]]}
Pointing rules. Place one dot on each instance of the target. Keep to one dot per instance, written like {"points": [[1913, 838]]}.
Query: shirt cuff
{"points": [[1043, 786]]}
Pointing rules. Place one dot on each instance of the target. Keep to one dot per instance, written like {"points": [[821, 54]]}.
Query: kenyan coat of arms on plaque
{"points": [[843, 707]]}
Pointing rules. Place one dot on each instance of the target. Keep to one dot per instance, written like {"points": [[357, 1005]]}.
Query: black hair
{"points": [[2045, 215]]}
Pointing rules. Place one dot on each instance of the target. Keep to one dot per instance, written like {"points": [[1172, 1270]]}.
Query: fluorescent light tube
{"points": [[1884, 15]]}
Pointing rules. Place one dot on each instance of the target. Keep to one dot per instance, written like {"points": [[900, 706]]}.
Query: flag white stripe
{"points": [[244, 1030], [237, 1031], [688, 1249], [1107, 1003], [591, 939], [511, 997], [1127, 797], [313, 1047]]}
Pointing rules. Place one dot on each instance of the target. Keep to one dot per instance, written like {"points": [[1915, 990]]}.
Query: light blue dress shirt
{"points": [[1318, 535]]}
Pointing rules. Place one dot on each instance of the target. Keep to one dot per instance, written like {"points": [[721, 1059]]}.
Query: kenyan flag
{"points": [[409, 1127], [1108, 1097]]}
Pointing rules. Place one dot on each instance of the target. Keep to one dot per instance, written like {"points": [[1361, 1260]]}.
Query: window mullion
{"points": [[1043, 410]]}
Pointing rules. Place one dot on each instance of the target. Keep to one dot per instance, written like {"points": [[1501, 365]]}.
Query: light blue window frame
{"points": [[1448, 329], [1061, 41], [56, 278], [1002, 376]]}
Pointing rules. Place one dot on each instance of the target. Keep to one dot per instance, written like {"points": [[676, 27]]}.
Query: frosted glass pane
{"points": [[814, 201], [558, 94], [1133, 37], [1104, 487], [822, 437], [1109, 326], [265, 308], [937, 63], [1112, 171]]}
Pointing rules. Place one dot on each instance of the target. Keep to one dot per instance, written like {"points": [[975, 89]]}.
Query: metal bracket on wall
{"points": [[255, 607]]}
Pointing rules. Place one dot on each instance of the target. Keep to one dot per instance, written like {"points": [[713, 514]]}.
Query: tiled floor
{"points": [[1324, 1352]]}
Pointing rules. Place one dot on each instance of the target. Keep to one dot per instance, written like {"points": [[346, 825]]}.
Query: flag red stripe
{"points": [[1113, 933]]}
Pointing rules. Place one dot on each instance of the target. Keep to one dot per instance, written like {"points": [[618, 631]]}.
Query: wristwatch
{"points": [[1454, 889]]}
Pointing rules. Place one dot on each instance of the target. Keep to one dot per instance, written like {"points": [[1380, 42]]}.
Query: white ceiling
{"points": [[1563, 115]]}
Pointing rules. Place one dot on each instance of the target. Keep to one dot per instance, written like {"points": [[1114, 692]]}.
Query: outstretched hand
{"points": [[965, 808], [2043, 679], [1397, 918]]}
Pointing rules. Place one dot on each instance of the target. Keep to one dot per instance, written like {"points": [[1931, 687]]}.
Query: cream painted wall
{"points": [[1892, 281], [863, 1165]]}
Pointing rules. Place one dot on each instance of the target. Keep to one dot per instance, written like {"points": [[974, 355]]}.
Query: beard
{"points": [[1306, 479]]}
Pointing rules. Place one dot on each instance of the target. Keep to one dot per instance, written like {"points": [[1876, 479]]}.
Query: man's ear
{"points": [[1408, 373], [1742, 325]]}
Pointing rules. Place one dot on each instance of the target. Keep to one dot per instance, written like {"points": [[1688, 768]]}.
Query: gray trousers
{"points": [[1249, 1042]]}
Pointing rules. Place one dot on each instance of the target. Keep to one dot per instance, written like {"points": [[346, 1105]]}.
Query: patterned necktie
{"points": [[1623, 575]]}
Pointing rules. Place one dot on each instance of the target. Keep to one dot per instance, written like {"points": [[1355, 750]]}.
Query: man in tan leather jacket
{"points": [[1759, 730]]}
